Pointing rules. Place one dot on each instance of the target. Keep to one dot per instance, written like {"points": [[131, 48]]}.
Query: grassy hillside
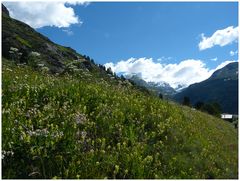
{"points": [[86, 126], [26, 40]]}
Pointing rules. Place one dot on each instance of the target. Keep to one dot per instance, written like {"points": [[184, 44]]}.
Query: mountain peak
{"points": [[230, 71]]}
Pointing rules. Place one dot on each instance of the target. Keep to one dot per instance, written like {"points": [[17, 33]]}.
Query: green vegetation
{"points": [[85, 125], [18, 35], [212, 108], [23, 42]]}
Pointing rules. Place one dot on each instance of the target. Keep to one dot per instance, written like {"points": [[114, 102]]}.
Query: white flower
{"points": [[41, 65], [84, 134], [80, 118], [36, 54], [7, 153], [38, 132], [13, 49]]}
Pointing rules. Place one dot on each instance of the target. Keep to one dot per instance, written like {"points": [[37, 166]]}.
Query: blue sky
{"points": [[156, 32], [117, 31]]}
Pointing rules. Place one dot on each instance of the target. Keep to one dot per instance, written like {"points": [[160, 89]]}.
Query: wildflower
{"points": [[31, 133], [148, 159], [80, 118], [38, 132], [83, 134], [79, 142], [7, 153], [44, 69], [40, 65], [36, 54], [57, 134], [13, 49]]}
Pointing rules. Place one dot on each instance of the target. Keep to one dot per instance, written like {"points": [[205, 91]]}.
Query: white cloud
{"points": [[76, 2], [47, 13], [185, 73], [68, 31], [232, 53], [214, 59], [220, 37]]}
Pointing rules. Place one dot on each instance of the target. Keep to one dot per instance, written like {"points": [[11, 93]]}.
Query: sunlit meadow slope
{"points": [[84, 126]]}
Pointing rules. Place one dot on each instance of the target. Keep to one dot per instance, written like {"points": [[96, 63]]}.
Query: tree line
{"points": [[212, 108]]}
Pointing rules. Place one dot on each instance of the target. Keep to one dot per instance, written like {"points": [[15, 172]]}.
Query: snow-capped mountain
{"points": [[158, 87], [180, 87]]}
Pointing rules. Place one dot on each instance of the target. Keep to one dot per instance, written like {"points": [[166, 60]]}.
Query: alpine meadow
{"points": [[64, 116]]}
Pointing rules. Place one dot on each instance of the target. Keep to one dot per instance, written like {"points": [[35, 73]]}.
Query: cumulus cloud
{"points": [[47, 13], [232, 53], [220, 37], [184, 73]]}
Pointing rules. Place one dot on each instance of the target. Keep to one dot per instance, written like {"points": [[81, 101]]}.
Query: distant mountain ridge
{"points": [[221, 87], [157, 87], [230, 71]]}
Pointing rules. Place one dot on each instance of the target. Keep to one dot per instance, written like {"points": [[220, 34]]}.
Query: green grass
{"points": [[85, 126], [23, 42]]}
